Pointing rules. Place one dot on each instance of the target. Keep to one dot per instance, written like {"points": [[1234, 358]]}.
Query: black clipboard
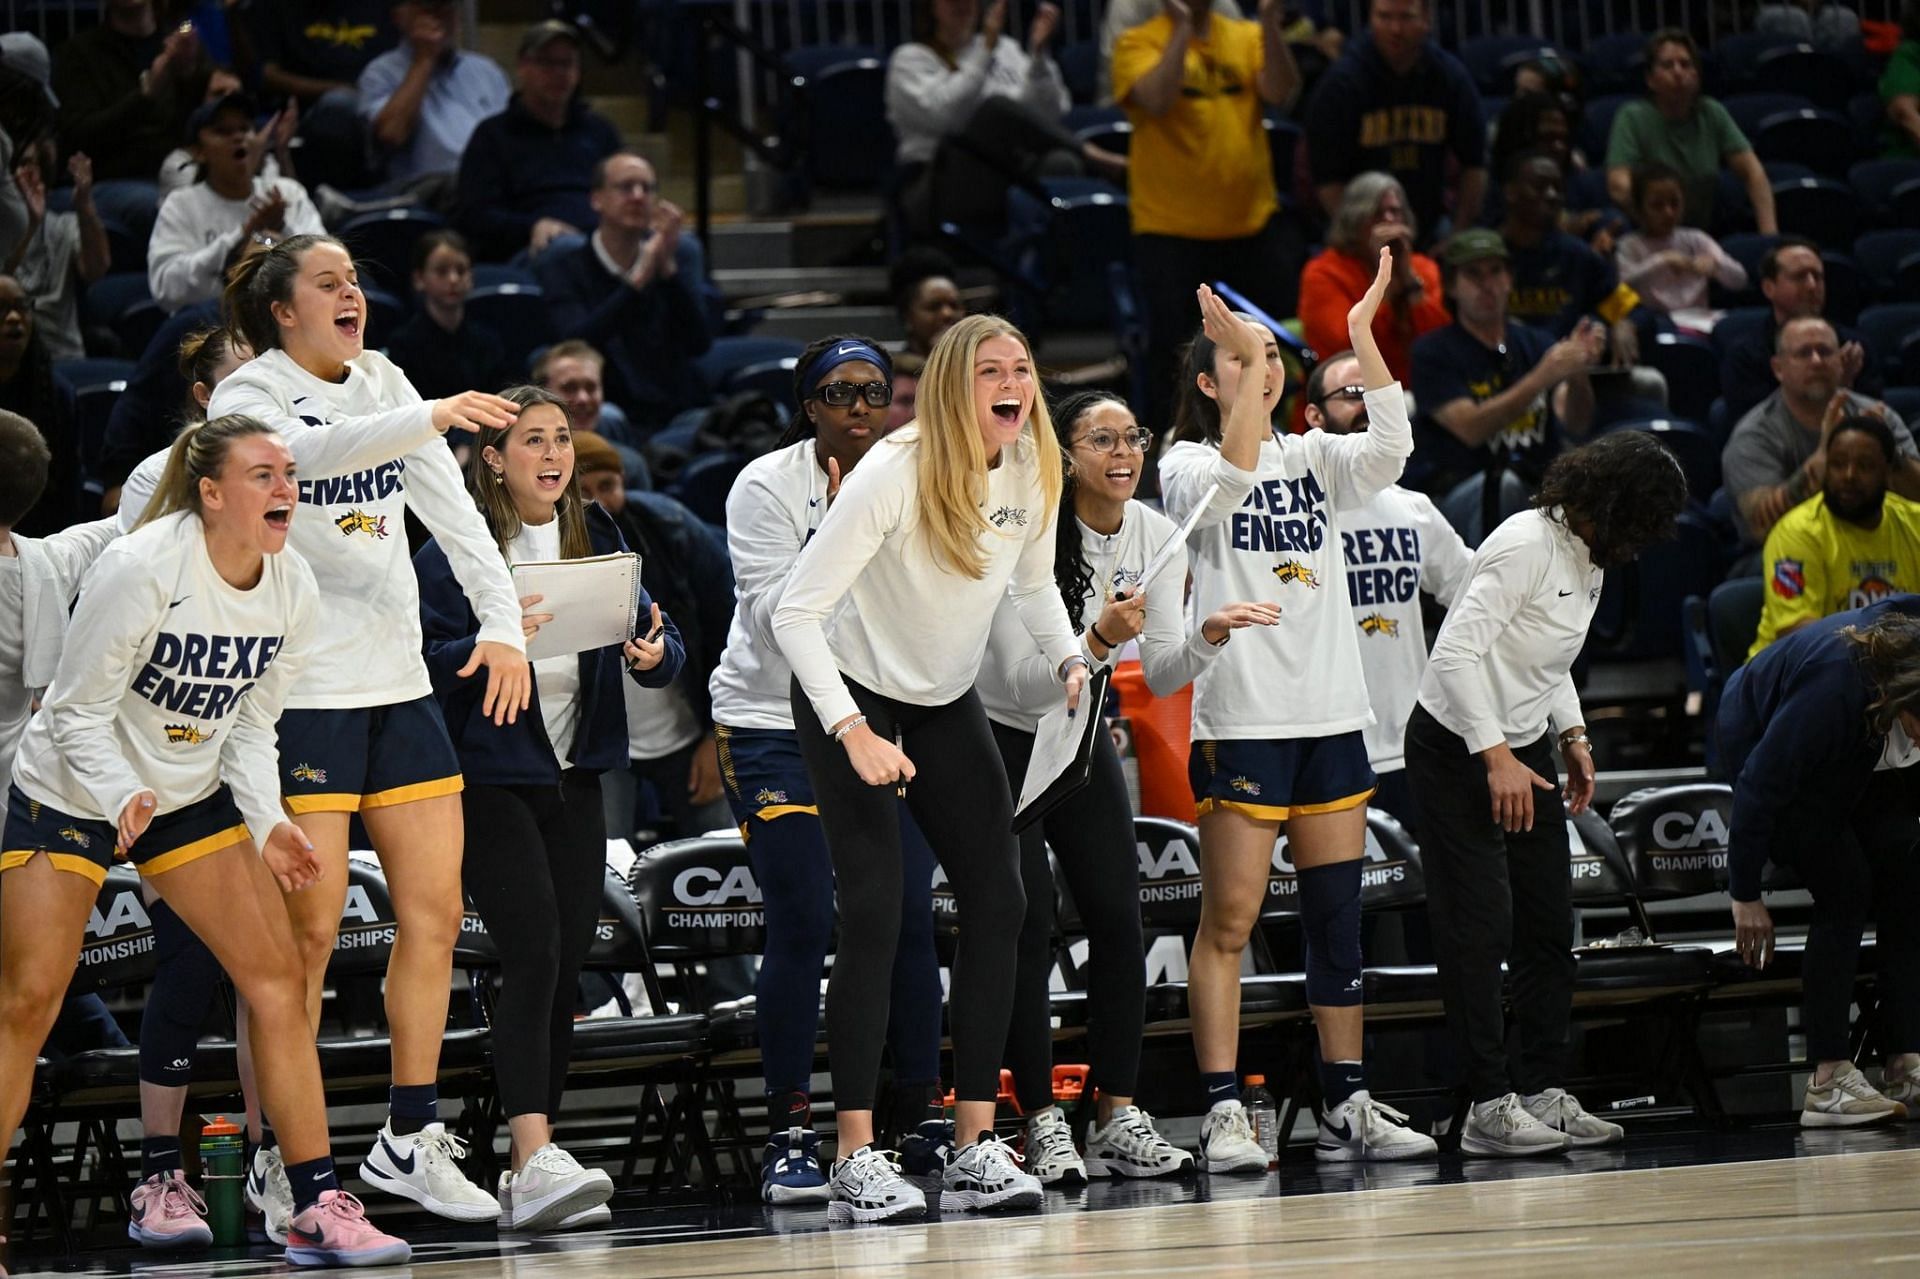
{"points": [[1092, 721]]}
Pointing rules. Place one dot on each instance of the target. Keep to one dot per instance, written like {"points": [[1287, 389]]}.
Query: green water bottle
{"points": [[223, 1172]]}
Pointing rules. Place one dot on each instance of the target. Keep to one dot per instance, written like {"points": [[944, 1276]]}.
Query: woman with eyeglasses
{"points": [[843, 385], [1278, 720], [1103, 541]]}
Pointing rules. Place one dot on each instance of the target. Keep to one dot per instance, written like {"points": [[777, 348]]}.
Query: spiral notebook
{"points": [[594, 601]]}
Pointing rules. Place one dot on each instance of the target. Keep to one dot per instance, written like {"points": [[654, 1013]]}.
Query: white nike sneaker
{"points": [[1847, 1101], [423, 1167], [867, 1186], [986, 1175], [1504, 1128], [1049, 1150], [1130, 1146], [1227, 1143], [1561, 1110], [270, 1194], [549, 1189], [1362, 1129], [594, 1218]]}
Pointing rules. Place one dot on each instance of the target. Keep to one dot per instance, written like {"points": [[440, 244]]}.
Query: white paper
{"points": [[1164, 556], [1056, 748], [592, 602]]}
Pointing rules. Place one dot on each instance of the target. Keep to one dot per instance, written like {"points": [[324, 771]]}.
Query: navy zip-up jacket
{"points": [[1794, 734], [516, 171], [521, 754]]}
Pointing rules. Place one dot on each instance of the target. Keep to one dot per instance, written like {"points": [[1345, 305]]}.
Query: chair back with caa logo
{"points": [[117, 947], [1675, 838]]}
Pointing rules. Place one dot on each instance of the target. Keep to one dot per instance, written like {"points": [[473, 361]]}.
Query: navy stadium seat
{"points": [[1821, 209], [517, 314], [705, 482], [1749, 109], [1080, 68], [728, 355], [1492, 59], [382, 245], [1905, 206], [772, 378], [1821, 140], [849, 144], [1596, 122], [1885, 328], [1734, 59], [1816, 73], [1615, 63], [1691, 369], [1877, 180], [1904, 400], [1880, 254]]}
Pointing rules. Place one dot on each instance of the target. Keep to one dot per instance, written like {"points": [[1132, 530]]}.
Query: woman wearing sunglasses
{"points": [[1103, 542], [844, 388]]}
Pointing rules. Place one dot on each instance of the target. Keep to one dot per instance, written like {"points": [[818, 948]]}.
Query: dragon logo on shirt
{"points": [[1009, 515], [766, 796], [187, 735], [1380, 624], [308, 773], [1245, 785], [78, 838], [1295, 571], [358, 521]]}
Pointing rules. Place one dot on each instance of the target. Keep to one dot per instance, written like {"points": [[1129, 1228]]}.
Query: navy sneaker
{"points": [[790, 1171], [928, 1149]]}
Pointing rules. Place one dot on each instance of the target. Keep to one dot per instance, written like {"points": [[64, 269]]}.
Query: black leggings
{"points": [[959, 798], [186, 977], [1092, 835], [535, 864]]}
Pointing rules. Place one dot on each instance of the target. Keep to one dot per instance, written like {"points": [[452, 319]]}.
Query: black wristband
{"points": [[1093, 629]]}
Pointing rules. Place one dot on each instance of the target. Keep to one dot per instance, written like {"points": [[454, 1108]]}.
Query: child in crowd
{"points": [[1669, 265]]}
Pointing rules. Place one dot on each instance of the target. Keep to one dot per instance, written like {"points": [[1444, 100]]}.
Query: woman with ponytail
{"points": [[155, 744], [362, 733], [1103, 542]]}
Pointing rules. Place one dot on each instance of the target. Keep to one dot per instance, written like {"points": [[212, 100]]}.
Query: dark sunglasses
{"points": [[1343, 393], [841, 394]]}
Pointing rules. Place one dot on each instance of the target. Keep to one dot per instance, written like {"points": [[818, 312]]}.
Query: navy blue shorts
{"points": [[85, 845], [1271, 780], [765, 776], [346, 761]]}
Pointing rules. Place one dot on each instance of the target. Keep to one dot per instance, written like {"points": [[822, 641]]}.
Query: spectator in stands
{"points": [[1849, 545], [441, 350], [907, 368], [425, 98], [1815, 793], [27, 388], [1398, 103], [527, 175], [1687, 131], [925, 297], [1544, 121], [199, 226], [1557, 280], [1776, 457], [182, 168], [1670, 265], [312, 52], [684, 566], [1373, 212], [27, 117], [1200, 176], [975, 113], [1900, 87], [634, 290], [1493, 392], [126, 89], [1122, 14], [59, 252], [1793, 278], [573, 371]]}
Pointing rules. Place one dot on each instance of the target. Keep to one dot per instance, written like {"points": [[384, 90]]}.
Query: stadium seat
{"points": [[1816, 73], [1113, 135], [382, 245], [1880, 254], [705, 482], [1492, 59], [385, 314], [1691, 369], [125, 250], [1904, 400], [1907, 367], [517, 314], [772, 378], [1596, 123], [1079, 117], [728, 355], [1821, 209], [1615, 63], [487, 275], [1877, 180], [1821, 140], [1645, 601], [1080, 68], [136, 325], [849, 144], [1474, 513], [1733, 619], [107, 298], [809, 60], [1749, 109], [1884, 328], [1283, 144], [1734, 59]]}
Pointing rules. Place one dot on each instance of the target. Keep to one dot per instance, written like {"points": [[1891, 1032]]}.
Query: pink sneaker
{"points": [[167, 1213], [335, 1232]]}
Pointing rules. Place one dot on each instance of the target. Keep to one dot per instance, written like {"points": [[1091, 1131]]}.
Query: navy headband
{"points": [[846, 351]]}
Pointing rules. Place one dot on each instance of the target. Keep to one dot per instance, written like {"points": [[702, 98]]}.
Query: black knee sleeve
{"points": [[186, 975], [1330, 919]]}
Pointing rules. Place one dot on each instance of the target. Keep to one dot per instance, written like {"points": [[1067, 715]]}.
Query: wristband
{"points": [[1093, 629], [1575, 739], [1068, 664], [841, 732]]}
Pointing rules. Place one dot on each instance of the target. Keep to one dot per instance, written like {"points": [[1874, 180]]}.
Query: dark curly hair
{"points": [[1626, 485], [1071, 572], [1889, 653]]}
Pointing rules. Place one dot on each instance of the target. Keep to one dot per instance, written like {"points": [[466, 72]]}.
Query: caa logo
{"points": [[708, 886], [1685, 831]]}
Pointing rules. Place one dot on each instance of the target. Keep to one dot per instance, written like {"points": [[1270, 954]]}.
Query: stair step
{"points": [[867, 284], [628, 112], [741, 246], [804, 324]]}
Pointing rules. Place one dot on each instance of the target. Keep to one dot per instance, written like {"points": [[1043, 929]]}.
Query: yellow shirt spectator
{"points": [[1203, 170], [1818, 564]]}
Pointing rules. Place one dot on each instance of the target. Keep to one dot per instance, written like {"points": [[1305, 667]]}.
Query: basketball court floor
{"points": [[1759, 1202]]}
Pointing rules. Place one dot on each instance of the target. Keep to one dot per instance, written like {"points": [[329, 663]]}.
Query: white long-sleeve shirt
{"points": [[367, 453], [197, 228], [773, 509], [1274, 533], [1017, 684], [919, 630], [172, 681], [37, 585], [1501, 667], [1396, 545], [927, 99]]}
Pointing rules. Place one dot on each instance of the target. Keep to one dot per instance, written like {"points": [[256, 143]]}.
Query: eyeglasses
{"points": [[634, 186], [1103, 440], [1343, 393], [842, 394], [1820, 352]]}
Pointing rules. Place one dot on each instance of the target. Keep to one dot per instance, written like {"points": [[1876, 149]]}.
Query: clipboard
{"points": [[1062, 759], [595, 602]]}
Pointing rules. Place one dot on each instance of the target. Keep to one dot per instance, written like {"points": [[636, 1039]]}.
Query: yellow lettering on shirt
{"points": [[1393, 126], [341, 35]]}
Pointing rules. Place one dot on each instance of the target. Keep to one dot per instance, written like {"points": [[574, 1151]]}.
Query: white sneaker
{"points": [[1561, 1110], [867, 1186], [549, 1189], [1130, 1146], [1049, 1150], [594, 1218], [1504, 1128], [1363, 1129], [423, 1167], [270, 1194], [1904, 1089], [1227, 1143], [1847, 1101], [986, 1175]]}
